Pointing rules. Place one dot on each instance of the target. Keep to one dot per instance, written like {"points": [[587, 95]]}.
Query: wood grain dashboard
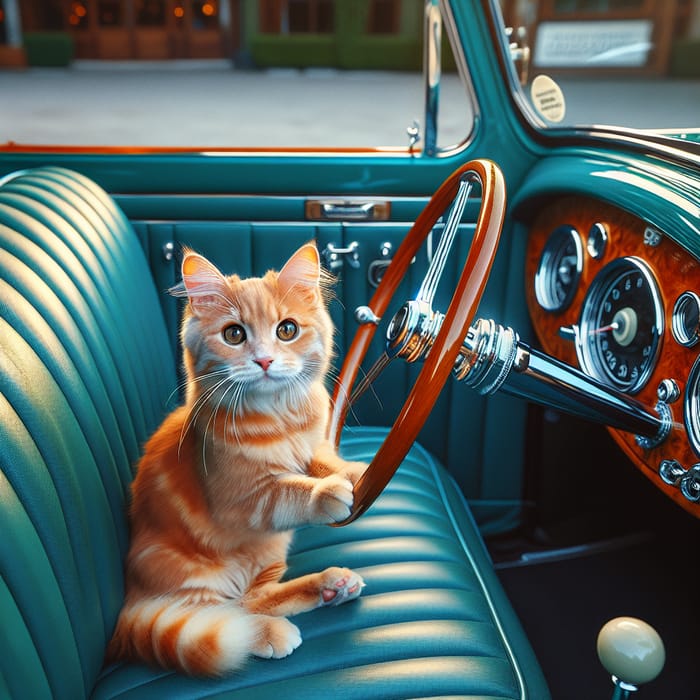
{"points": [[674, 270]]}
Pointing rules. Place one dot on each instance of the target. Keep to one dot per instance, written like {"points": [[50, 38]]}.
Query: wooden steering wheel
{"points": [[416, 329]]}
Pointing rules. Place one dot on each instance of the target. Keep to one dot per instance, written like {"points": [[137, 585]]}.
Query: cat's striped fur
{"points": [[230, 474]]}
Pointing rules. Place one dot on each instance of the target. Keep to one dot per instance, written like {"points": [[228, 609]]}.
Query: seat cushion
{"points": [[432, 620], [85, 375]]}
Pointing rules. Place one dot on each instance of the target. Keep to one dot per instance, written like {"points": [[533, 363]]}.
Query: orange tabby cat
{"points": [[229, 475]]}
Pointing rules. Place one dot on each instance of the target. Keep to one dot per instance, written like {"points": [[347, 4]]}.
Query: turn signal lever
{"points": [[632, 652]]}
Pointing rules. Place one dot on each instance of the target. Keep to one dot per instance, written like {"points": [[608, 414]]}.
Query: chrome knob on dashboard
{"points": [[668, 391], [690, 484], [632, 652], [671, 471]]}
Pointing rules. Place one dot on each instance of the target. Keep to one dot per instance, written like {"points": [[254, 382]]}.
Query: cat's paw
{"points": [[354, 470], [332, 498], [277, 637], [340, 585]]}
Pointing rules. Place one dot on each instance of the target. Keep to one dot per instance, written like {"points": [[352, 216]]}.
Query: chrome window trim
{"points": [[450, 28]]}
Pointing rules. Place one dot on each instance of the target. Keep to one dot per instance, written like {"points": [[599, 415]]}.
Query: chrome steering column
{"points": [[494, 358]]}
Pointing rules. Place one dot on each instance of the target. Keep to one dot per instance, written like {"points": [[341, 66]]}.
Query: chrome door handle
{"points": [[347, 210]]}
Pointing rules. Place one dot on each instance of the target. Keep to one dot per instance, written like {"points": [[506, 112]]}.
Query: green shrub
{"points": [[382, 52], [48, 48], [293, 51]]}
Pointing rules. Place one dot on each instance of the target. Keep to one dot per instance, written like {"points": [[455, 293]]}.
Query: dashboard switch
{"points": [[690, 484], [569, 333], [668, 391], [671, 471]]}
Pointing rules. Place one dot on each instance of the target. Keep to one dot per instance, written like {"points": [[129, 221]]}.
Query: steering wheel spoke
{"points": [[427, 290], [416, 332]]}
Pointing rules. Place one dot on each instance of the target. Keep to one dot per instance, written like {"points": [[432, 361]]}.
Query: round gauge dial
{"points": [[691, 409], [621, 325], [559, 269]]}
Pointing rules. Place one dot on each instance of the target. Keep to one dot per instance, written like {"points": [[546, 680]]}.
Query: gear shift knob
{"points": [[632, 651]]}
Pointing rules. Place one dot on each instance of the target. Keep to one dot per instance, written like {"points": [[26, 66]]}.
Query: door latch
{"points": [[377, 267], [333, 257]]}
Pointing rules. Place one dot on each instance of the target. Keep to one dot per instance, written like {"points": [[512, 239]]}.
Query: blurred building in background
{"points": [[650, 36]]}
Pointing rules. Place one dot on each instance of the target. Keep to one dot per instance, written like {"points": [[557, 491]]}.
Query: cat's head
{"points": [[262, 336]]}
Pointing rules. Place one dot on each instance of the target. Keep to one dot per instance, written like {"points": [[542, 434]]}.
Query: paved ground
{"points": [[211, 104]]}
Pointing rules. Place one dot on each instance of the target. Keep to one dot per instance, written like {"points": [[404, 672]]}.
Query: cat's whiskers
{"points": [[297, 387], [177, 390], [213, 415], [214, 412], [201, 401], [346, 397], [234, 405], [182, 386]]}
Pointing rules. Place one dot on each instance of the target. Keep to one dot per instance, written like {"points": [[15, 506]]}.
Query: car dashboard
{"points": [[617, 298]]}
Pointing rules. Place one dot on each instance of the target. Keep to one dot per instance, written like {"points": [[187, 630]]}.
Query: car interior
{"points": [[517, 328]]}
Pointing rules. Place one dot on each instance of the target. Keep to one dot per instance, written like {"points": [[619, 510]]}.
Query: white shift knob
{"points": [[631, 650]]}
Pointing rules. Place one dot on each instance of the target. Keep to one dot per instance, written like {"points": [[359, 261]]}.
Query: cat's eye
{"points": [[287, 330], [234, 334]]}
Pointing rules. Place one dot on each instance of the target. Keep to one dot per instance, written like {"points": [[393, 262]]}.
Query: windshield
{"points": [[620, 63]]}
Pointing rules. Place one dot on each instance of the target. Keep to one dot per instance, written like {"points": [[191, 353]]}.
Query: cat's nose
{"points": [[264, 362]]}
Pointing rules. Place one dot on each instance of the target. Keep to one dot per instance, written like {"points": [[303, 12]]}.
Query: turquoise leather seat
{"points": [[86, 373]]}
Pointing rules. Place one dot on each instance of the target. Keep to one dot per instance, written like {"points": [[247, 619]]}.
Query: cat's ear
{"points": [[301, 274], [204, 284]]}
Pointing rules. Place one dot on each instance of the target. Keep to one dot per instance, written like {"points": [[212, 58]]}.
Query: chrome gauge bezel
{"points": [[685, 325], [549, 269], [691, 407], [597, 240], [588, 347]]}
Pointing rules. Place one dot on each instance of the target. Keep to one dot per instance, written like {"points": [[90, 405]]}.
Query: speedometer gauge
{"points": [[559, 269], [621, 325]]}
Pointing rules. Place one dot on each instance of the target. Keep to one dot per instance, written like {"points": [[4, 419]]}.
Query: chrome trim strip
{"points": [[432, 72], [455, 42]]}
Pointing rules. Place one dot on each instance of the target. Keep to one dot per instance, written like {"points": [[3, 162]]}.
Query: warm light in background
{"points": [[208, 9], [179, 12]]}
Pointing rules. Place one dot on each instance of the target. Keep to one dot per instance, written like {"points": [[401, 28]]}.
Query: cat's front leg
{"points": [[307, 500], [327, 461]]}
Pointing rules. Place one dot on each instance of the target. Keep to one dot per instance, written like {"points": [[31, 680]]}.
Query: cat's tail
{"points": [[200, 639]]}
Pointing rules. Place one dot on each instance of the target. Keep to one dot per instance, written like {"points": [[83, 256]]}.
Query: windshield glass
{"points": [[621, 63]]}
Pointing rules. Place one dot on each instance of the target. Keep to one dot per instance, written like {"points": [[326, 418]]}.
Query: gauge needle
{"points": [[604, 329]]}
